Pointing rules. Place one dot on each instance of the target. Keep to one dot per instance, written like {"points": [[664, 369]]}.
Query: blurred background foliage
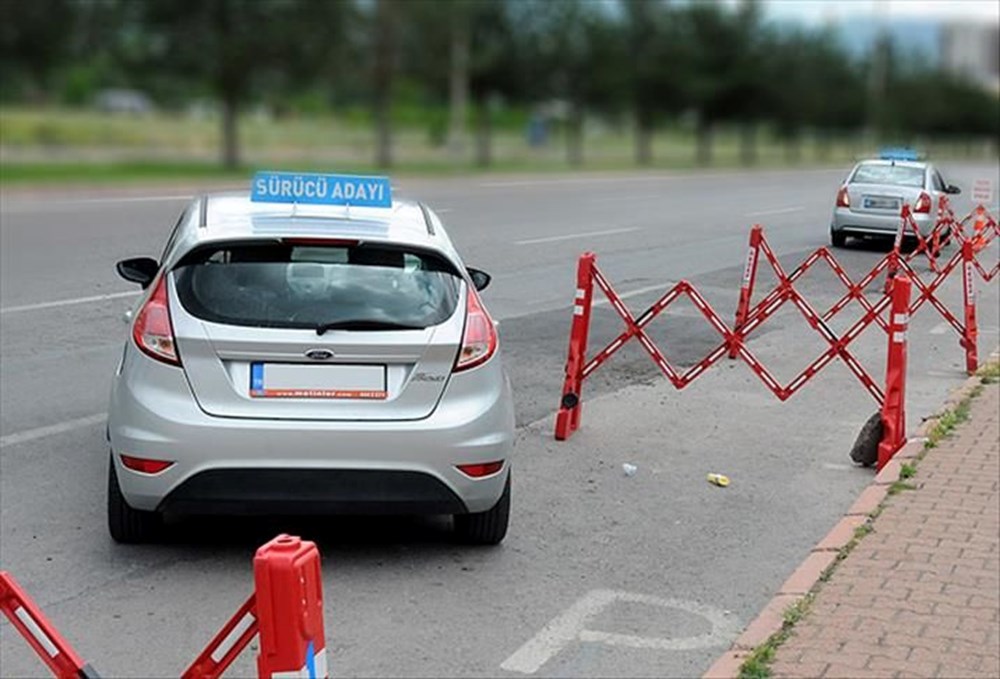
{"points": [[459, 83]]}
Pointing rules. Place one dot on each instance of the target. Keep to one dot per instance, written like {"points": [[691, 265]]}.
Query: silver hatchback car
{"points": [[869, 202], [291, 358]]}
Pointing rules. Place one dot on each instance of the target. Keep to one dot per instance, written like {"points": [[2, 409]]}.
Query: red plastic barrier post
{"points": [[894, 405], [40, 634], [289, 594], [970, 341], [894, 254], [568, 417], [746, 289]]}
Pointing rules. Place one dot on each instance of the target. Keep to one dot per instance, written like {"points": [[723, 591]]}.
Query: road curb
{"points": [[823, 555]]}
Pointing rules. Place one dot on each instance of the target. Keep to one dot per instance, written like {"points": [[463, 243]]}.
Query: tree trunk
{"points": [[484, 134], [643, 139], [793, 149], [385, 55], [574, 136], [230, 132], [458, 80], [824, 145], [748, 143], [703, 142]]}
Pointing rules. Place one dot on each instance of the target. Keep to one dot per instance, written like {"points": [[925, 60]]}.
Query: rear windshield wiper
{"points": [[364, 324]]}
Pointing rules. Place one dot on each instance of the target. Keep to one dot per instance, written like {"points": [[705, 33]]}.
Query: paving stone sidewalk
{"points": [[919, 596]]}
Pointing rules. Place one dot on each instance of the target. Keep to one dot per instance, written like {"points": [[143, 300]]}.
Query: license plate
{"points": [[882, 203], [290, 380]]}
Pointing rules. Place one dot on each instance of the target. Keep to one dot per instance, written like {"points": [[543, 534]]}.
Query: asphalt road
{"points": [[602, 574]]}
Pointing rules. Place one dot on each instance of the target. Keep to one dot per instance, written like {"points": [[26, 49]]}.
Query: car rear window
{"points": [[289, 285], [893, 175]]}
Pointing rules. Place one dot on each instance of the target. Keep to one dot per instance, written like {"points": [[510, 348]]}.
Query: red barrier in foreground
{"points": [[28, 619], [733, 341], [286, 609]]}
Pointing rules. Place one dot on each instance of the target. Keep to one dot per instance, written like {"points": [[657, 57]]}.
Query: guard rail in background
{"points": [[285, 610], [733, 340], [28, 619]]}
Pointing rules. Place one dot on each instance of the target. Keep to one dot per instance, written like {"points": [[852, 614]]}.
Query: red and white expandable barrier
{"points": [[28, 619], [733, 340]]}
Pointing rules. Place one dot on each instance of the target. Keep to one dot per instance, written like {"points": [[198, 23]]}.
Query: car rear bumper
{"points": [[255, 492], [298, 465], [847, 221]]}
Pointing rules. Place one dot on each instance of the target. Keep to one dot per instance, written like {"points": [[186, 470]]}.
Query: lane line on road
{"points": [[776, 211], [553, 239], [635, 293], [22, 205], [51, 430], [67, 302], [569, 181]]}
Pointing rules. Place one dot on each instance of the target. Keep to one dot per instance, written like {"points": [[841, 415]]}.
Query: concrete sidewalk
{"points": [[917, 596]]}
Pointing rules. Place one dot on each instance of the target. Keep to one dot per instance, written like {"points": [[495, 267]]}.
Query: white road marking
{"points": [[940, 329], [837, 466], [67, 302], [528, 183], [662, 287], [571, 236], [776, 211], [51, 430], [570, 627], [42, 203]]}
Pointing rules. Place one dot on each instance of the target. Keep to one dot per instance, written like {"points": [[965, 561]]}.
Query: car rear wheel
{"points": [[126, 524], [485, 528], [838, 239]]}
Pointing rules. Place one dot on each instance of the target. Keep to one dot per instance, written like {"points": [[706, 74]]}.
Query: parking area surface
{"points": [[602, 574]]}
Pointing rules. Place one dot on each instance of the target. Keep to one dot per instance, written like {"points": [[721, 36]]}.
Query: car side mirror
{"points": [[141, 270], [480, 279], [951, 188]]}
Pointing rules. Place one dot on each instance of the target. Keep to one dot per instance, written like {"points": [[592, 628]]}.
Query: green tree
{"points": [[34, 43], [232, 47]]}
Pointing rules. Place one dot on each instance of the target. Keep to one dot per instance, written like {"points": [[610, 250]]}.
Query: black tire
{"points": [[485, 528], [125, 524], [838, 239]]}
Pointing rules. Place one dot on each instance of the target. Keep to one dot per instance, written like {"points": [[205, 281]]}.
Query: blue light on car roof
{"points": [[321, 189], [898, 154]]}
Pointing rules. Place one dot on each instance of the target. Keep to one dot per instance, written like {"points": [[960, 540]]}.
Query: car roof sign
{"points": [[321, 189], [898, 154]]}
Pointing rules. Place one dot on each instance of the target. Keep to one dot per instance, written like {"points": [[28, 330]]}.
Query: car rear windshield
{"points": [[295, 285], [893, 175]]}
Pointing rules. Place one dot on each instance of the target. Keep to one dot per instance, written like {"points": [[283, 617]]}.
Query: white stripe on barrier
{"points": [[319, 664], [901, 319], [234, 635], [577, 310], [36, 631], [580, 293], [899, 337]]}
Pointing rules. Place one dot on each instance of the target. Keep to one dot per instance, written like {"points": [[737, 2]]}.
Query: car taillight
{"points": [[152, 331], [145, 465], [479, 341], [478, 471], [843, 200], [923, 203]]}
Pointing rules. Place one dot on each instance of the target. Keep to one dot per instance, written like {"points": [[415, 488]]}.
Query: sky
{"points": [[820, 11]]}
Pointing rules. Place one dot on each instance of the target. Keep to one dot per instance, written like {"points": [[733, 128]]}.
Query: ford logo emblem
{"points": [[319, 354]]}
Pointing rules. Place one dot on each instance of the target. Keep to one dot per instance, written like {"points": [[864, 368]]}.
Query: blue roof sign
{"points": [[321, 189], [898, 154]]}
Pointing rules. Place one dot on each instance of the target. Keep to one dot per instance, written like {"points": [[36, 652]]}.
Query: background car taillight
{"points": [[923, 204], [843, 200], [152, 331], [480, 339]]}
